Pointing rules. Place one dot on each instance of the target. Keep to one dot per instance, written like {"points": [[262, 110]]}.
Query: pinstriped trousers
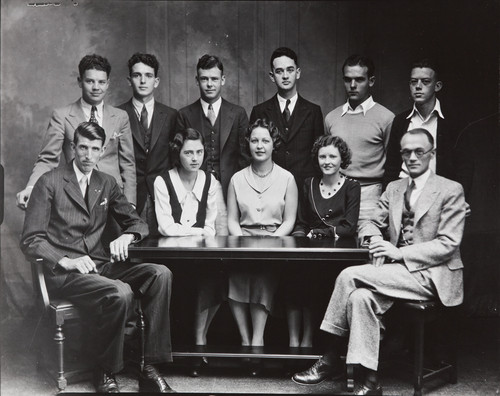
{"points": [[362, 294]]}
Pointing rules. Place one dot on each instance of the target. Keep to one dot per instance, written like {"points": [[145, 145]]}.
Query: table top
{"points": [[248, 247]]}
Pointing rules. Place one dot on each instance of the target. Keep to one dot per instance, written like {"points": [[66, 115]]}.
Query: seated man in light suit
{"points": [[423, 216], [64, 225], [117, 160]]}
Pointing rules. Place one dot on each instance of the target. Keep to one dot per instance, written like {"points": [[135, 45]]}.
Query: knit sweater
{"points": [[367, 136]]}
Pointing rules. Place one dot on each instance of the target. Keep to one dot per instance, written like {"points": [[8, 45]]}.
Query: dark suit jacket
{"points": [[234, 123], [150, 164], [438, 229], [117, 160], [58, 222], [446, 139], [306, 126]]}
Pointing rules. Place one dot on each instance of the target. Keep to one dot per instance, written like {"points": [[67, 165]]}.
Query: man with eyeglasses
{"points": [[153, 125], [423, 217], [426, 113]]}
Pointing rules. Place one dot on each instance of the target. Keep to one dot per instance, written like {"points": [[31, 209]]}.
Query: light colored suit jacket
{"points": [[118, 158], [58, 222], [438, 228]]}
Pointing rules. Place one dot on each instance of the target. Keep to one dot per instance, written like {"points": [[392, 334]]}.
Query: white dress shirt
{"points": [[419, 185], [361, 108], [291, 106], [150, 107], [87, 108], [215, 106]]}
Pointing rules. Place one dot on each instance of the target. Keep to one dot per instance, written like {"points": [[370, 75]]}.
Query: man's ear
{"points": [[129, 81], [197, 81], [438, 86], [79, 81], [297, 72], [371, 81], [271, 76], [223, 80], [157, 82]]}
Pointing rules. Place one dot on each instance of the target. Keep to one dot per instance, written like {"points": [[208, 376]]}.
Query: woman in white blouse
{"points": [[187, 202]]}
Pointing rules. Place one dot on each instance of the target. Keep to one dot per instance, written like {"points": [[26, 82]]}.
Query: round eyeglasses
{"points": [[418, 153]]}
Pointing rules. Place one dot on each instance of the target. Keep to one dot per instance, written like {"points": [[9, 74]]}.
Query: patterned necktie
{"points": [[286, 112], [211, 115], [144, 123], [408, 192], [93, 117]]}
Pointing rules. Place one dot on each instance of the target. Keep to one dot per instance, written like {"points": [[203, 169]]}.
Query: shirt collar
{"points": [[291, 106], [87, 108], [420, 180], [435, 110], [150, 105], [181, 190], [216, 106], [361, 108], [80, 174]]}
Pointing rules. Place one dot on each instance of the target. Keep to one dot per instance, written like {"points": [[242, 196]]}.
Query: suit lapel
{"points": [[274, 111], [299, 115], [72, 188], [76, 115], [109, 122], [158, 120], [134, 124], [226, 116], [397, 206], [94, 189], [427, 197]]}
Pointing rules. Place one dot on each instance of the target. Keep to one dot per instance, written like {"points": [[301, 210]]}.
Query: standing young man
{"points": [[365, 125], [299, 121], [153, 124], [118, 159]]}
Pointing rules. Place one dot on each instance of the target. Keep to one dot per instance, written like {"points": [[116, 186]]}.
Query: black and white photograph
{"points": [[250, 197]]}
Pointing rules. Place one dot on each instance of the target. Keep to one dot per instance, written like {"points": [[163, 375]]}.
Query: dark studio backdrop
{"points": [[41, 46]]}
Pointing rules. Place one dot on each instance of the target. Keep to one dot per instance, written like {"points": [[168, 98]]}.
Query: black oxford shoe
{"points": [[362, 389], [105, 382], [317, 373], [150, 380]]}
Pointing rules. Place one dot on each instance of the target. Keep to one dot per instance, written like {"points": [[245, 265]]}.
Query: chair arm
{"points": [[39, 284]]}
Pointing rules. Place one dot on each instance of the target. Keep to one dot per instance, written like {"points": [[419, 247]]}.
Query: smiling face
{"points": [[410, 143], [191, 155], [424, 85], [210, 82], [143, 81], [94, 84], [261, 144], [87, 153], [357, 84], [329, 159], [285, 74]]}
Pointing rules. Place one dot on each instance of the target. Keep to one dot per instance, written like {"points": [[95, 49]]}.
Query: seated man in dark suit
{"points": [[152, 123], [64, 223], [423, 216]]}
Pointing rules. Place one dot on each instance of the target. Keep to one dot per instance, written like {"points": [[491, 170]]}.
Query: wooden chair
{"points": [[59, 312], [419, 313]]}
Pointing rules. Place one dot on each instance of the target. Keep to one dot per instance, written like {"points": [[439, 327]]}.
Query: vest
{"points": [[406, 235], [176, 206], [212, 144]]}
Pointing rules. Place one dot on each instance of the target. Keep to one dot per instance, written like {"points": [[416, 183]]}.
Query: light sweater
{"points": [[367, 135]]}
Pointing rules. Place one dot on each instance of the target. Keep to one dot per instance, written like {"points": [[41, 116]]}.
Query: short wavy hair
{"points": [[178, 141], [336, 141], [273, 132], [94, 61], [89, 130], [148, 59]]}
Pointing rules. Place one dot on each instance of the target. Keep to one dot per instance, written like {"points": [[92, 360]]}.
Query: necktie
{"points": [[83, 184], [286, 112], [144, 123], [211, 115], [408, 192], [93, 117]]}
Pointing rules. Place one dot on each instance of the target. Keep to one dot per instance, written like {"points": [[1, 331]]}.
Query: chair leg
{"points": [[419, 358], [59, 340], [141, 325], [350, 377]]}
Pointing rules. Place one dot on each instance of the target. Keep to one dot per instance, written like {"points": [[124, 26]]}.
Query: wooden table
{"points": [[235, 249]]}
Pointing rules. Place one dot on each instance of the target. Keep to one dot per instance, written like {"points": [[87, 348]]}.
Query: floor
{"points": [[479, 370]]}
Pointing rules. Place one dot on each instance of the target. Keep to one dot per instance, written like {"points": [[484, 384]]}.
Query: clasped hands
{"points": [[84, 264], [321, 233], [381, 250]]}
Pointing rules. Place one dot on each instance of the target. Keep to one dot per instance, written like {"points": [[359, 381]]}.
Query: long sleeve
{"points": [[302, 225], [348, 222], [126, 160], [212, 207], [50, 154], [244, 157]]}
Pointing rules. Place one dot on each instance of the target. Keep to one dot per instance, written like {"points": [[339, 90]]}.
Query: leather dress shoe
{"points": [[362, 389], [317, 373], [198, 366], [105, 382], [150, 380]]}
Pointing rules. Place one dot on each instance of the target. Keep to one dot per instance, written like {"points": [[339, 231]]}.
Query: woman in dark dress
{"points": [[329, 208]]}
